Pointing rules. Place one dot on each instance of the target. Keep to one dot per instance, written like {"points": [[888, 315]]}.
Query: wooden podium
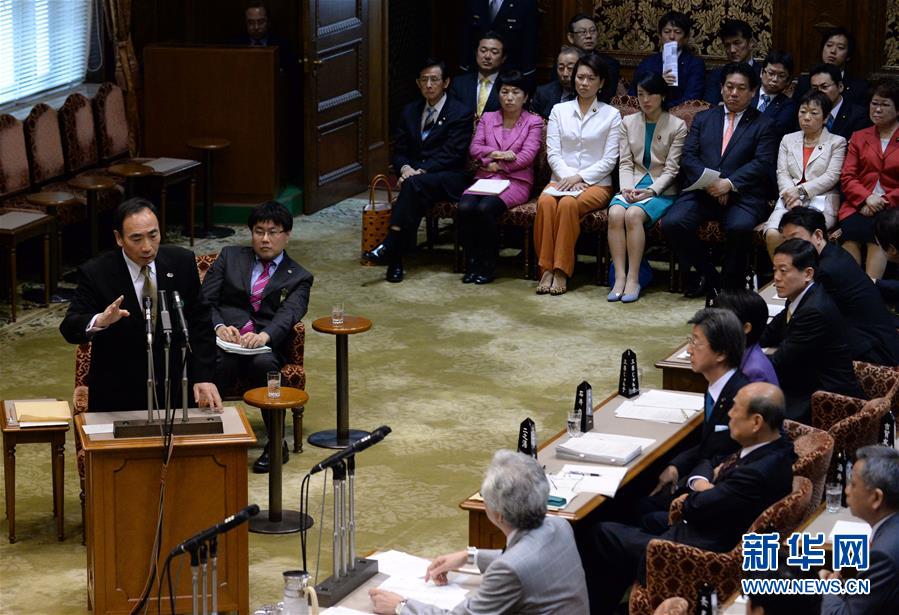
{"points": [[206, 482]]}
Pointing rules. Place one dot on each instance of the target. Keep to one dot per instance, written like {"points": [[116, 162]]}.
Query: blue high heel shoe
{"points": [[613, 296], [631, 297]]}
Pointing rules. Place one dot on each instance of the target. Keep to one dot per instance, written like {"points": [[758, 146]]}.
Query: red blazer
{"points": [[865, 164]]}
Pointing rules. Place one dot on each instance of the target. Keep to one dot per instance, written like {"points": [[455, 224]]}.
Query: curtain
{"points": [[127, 73]]}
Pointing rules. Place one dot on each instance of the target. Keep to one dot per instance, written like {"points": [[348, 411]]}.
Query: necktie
{"points": [[429, 123], [766, 100], [829, 122], [726, 466], [483, 93], [256, 295], [495, 5], [709, 405], [149, 290], [729, 131], [787, 310]]}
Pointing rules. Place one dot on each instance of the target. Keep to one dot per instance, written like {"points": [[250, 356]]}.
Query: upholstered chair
{"points": [[79, 134], [112, 123], [814, 450], [15, 178]]}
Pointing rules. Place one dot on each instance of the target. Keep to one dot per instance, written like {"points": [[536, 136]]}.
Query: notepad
{"points": [[669, 399], [610, 449], [635, 410], [43, 411], [550, 190], [843, 528], [238, 349], [489, 186]]}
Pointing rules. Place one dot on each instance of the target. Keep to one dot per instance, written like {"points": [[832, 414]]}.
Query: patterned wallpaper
{"points": [[891, 44], [630, 25]]}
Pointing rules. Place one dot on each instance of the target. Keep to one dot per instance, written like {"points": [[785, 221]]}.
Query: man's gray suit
{"points": [[539, 572]]}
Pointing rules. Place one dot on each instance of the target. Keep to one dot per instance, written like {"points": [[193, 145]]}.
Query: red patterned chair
{"points": [[626, 104], [878, 381], [79, 134], [814, 450], [113, 136], [674, 569], [851, 422], [15, 177], [688, 109]]}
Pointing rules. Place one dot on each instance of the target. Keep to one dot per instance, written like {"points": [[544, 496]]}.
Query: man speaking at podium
{"points": [[107, 310]]}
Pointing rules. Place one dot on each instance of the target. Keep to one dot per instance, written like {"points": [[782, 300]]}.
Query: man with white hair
{"points": [[539, 571]]}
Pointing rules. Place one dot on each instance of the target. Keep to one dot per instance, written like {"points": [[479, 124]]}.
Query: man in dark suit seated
{"points": [[478, 91], [886, 232], [837, 48], [430, 154], [108, 311], [514, 20], [873, 496], [675, 27], [740, 143], [777, 68], [738, 41], [583, 35], [872, 331], [810, 335], [559, 89], [539, 570], [845, 117], [257, 294], [722, 504], [716, 349]]}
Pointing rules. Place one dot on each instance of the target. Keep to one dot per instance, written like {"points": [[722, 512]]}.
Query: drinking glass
{"points": [[574, 424], [337, 313], [833, 493], [274, 385]]}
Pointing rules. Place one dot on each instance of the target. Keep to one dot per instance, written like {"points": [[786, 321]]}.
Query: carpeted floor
{"points": [[452, 368]]}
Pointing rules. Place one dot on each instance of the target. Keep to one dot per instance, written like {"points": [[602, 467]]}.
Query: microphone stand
{"points": [[148, 318], [194, 566], [351, 524], [185, 346], [213, 555], [166, 320], [338, 473], [203, 560]]}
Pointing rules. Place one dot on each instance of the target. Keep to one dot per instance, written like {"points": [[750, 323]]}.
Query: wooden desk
{"points": [[165, 179], [19, 226], [482, 533], [206, 481], [678, 375], [55, 436]]}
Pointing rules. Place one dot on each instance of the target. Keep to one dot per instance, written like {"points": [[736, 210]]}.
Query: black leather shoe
{"points": [[469, 277], [378, 256], [261, 465], [394, 272], [484, 278], [471, 271], [699, 288]]}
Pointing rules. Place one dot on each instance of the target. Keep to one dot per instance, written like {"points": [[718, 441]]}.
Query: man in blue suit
{"points": [[675, 27], [430, 155], [777, 68], [873, 496], [741, 144], [478, 90], [738, 41]]}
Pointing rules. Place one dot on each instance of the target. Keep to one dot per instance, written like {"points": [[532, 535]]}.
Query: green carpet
{"points": [[452, 368]]}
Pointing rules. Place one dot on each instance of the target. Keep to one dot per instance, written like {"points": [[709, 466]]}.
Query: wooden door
{"points": [[335, 90]]}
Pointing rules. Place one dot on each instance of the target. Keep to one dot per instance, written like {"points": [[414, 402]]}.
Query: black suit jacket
{"points": [[118, 371], [445, 149], [748, 162], [464, 89], [546, 97], [715, 519], [782, 111], [712, 93], [226, 288], [855, 90], [872, 332], [812, 352], [516, 22], [715, 442], [851, 117]]}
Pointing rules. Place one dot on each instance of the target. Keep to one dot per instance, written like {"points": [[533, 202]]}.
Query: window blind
{"points": [[43, 45]]}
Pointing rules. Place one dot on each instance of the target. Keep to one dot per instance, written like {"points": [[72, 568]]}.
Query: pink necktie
{"points": [[256, 295], [728, 132]]}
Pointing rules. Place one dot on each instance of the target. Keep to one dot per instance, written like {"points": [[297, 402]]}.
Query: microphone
{"points": [[164, 315], [358, 446], [148, 318], [229, 523], [179, 309]]}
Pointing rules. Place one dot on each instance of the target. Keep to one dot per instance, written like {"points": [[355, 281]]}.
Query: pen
{"points": [[575, 473], [686, 416]]}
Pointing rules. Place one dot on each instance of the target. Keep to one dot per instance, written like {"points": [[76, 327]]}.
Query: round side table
{"points": [[130, 171], [92, 185], [209, 146], [276, 520], [342, 436]]}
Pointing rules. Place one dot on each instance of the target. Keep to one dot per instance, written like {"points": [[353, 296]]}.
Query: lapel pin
{"points": [[170, 275], [290, 271]]}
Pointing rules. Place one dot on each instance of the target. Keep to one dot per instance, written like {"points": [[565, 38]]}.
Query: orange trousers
{"points": [[558, 225]]}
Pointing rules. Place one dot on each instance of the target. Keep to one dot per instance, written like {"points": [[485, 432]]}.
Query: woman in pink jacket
{"points": [[504, 146]]}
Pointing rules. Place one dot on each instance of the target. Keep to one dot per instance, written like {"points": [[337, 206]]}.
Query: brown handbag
{"points": [[376, 216]]}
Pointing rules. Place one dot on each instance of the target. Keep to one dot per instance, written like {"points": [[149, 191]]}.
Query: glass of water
{"points": [[574, 424], [274, 385], [337, 313], [833, 494]]}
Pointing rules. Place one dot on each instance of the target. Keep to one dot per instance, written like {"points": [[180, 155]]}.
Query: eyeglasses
{"points": [[882, 105], [584, 31], [693, 342], [429, 79], [775, 75], [260, 233]]}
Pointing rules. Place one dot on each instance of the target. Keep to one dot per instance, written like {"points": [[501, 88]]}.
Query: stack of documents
{"points": [[43, 413], [552, 191], [406, 578], [577, 478], [661, 407], [606, 448], [489, 186], [238, 349]]}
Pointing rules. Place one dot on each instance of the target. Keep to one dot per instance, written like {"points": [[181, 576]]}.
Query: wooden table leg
{"points": [[13, 299], [55, 249], [192, 206], [59, 468], [9, 471], [47, 268]]}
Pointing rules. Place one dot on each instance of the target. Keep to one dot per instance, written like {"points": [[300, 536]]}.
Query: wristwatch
{"points": [[400, 606], [803, 195], [472, 554]]}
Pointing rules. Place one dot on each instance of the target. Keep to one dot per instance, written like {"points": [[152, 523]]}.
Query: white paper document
{"points": [[611, 449], [708, 177], [341, 610], [165, 165], [593, 478], [27, 424], [398, 564], [489, 186], [849, 527], [774, 309], [550, 190], [635, 410], [669, 399], [669, 59], [238, 349], [97, 428], [442, 596]]}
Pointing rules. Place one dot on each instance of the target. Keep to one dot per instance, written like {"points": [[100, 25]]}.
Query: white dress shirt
{"points": [[716, 387], [585, 145]]}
